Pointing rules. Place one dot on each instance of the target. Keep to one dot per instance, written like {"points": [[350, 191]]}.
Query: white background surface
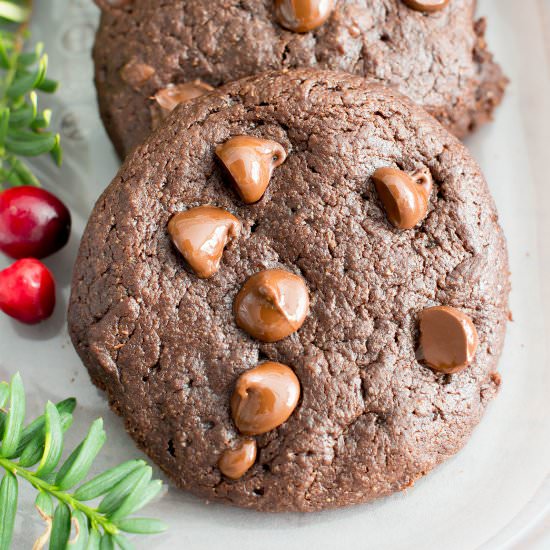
{"points": [[496, 493]]}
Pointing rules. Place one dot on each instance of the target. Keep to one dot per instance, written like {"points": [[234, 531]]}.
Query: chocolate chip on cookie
{"points": [[136, 73], [234, 463], [428, 6], [272, 305], [303, 15], [448, 339], [264, 398], [201, 235], [170, 97], [404, 196], [250, 162]]}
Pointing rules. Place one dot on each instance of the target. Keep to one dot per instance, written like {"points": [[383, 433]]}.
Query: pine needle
{"points": [[23, 126], [64, 495]]}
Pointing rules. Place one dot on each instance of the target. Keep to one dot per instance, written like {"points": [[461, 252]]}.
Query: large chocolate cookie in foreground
{"points": [[149, 54], [295, 293]]}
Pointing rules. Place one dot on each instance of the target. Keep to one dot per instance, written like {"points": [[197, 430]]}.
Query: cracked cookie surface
{"points": [[165, 346], [439, 60]]}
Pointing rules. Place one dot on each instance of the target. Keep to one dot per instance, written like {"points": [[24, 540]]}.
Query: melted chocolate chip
{"points": [[170, 97], [428, 6], [136, 73], [404, 195], [272, 304], [250, 162], [448, 339], [201, 235], [303, 15], [264, 398], [234, 463]]}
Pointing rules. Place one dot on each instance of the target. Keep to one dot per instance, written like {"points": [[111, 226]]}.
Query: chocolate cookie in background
{"points": [[149, 55], [295, 293]]}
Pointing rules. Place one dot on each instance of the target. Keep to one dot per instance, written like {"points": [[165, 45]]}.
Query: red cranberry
{"points": [[33, 222], [27, 291]]}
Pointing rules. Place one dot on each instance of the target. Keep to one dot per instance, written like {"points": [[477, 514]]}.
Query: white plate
{"points": [[495, 493]]}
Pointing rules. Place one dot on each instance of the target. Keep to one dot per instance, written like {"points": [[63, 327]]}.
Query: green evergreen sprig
{"points": [[33, 453], [23, 126]]}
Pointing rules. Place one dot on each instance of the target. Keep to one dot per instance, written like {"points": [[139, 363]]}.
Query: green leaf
{"points": [[107, 543], [17, 103], [57, 152], [22, 117], [48, 86], [123, 543], [4, 393], [80, 539], [34, 451], [13, 178], [49, 478], [25, 134], [104, 482], [8, 509], [5, 115], [144, 491], [42, 120], [14, 12], [33, 98], [61, 527], [94, 540], [14, 418], [8, 36], [67, 405], [142, 526], [26, 81], [42, 70], [30, 58], [78, 465], [37, 426], [151, 492], [122, 489], [5, 61], [27, 59], [44, 503], [30, 144], [53, 443]]}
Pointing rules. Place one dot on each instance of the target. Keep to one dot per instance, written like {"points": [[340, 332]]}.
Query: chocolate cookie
{"points": [[150, 56], [321, 342]]}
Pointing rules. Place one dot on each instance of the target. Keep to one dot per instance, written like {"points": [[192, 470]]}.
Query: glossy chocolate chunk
{"points": [[234, 463], [303, 15], [428, 6], [264, 398], [272, 304], [170, 97], [136, 73], [250, 162], [201, 235], [405, 196], [448, 339]]}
